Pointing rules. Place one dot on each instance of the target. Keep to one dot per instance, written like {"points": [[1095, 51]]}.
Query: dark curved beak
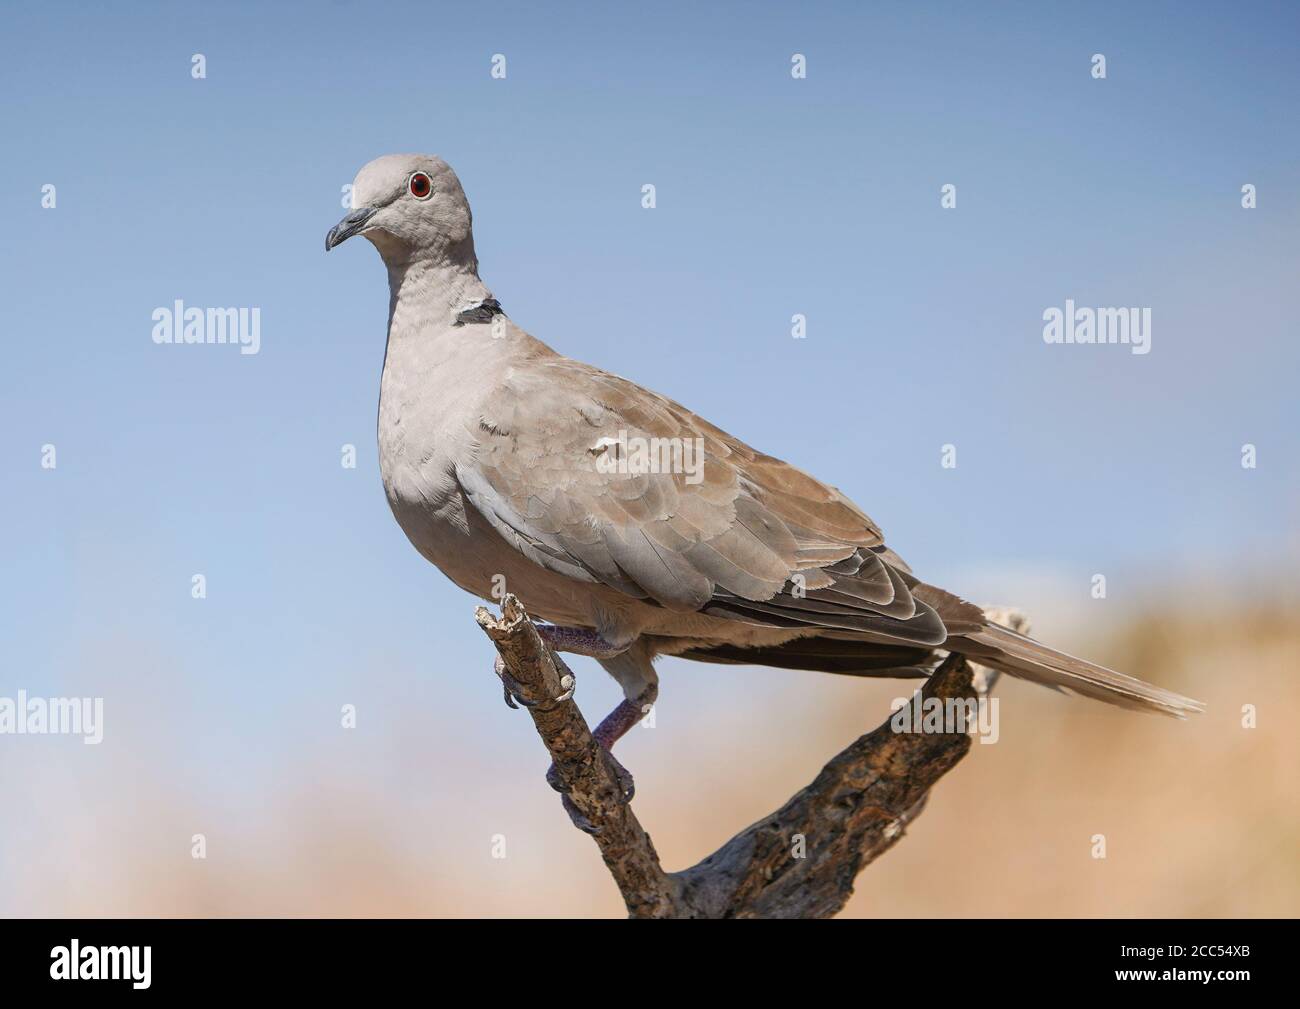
{"points": [[349, 226]]}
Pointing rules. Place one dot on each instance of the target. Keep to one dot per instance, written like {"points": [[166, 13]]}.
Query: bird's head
{"points": [[411, 206]]}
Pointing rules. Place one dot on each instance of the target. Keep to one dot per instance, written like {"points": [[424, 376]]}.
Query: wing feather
{"points": [[745, 536]]}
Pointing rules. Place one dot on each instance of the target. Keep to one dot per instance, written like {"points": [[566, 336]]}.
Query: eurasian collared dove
{"points": [[635, 526]]}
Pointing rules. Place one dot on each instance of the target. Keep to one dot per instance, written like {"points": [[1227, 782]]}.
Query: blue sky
{"points": [[775, 196]]}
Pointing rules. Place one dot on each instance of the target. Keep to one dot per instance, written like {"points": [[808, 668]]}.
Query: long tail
{"points": [[1006, 650]]}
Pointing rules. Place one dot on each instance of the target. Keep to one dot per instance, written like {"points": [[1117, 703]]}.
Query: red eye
{"points": [[421, 186]]}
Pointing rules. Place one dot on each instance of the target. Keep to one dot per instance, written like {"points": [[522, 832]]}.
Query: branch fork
{"points": [[799, 862]]}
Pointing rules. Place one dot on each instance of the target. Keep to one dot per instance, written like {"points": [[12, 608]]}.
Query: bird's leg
{"points": [[579, 641], [612, 728], [616, 724], [574, 640], [585, 641]]}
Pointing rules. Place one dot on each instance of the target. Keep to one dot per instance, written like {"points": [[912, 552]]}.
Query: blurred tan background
{"points": [[1200, 817]]}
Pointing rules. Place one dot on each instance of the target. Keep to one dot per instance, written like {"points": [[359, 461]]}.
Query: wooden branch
{"points": [[799, 862], [854, 811], [581, 765]]}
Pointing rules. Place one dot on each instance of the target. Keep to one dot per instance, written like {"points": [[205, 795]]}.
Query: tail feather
{"points": [[1021, 656]]}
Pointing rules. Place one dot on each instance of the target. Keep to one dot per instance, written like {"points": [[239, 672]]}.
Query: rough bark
{"points": [[799, 862]]}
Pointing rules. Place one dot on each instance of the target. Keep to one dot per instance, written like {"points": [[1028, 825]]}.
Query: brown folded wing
{"points": [[598, 479]]}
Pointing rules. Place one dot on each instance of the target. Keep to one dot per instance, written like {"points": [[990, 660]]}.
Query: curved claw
{"points": [[576, 817], [626, 783], [514, 695]]}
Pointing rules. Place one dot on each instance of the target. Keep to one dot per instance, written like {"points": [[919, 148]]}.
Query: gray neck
{"points": [[434, 293]]}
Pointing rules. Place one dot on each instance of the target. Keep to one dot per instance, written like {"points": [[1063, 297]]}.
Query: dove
{"points": [[629, 524]]}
